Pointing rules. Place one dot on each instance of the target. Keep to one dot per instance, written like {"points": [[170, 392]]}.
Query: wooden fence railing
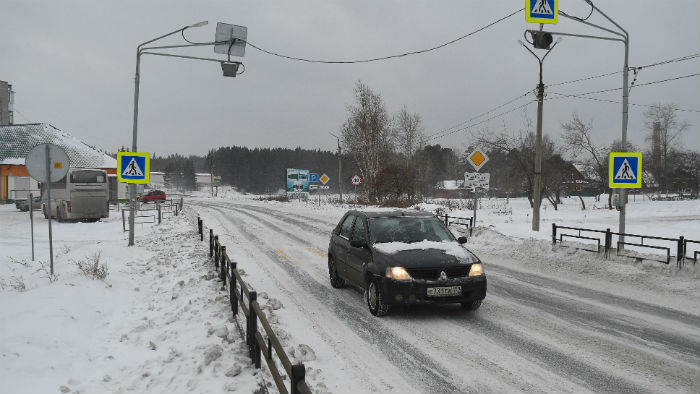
{"points": [[261, 345]]}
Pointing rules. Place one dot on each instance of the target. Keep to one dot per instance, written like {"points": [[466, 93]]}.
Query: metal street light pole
{"points": [[132, 187], [625, 39], [538, 142]]}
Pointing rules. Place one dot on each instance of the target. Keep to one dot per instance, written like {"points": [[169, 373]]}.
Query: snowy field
{"points": [[557, 320]]}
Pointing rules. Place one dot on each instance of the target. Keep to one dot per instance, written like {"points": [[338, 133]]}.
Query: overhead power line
{"points": [[660, 63], [375, 59], [564, 95], [482, 122], [481, 114], [641, 84]]}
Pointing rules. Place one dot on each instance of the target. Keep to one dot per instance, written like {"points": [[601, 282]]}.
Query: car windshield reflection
{"points": [[407, 230]]}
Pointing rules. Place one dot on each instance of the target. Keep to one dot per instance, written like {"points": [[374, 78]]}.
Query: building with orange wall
{"points": [[17, 140]]}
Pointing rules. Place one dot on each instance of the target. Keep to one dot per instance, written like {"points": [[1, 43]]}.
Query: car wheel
{"points": [[336, 280], [375, 299], [471, 305]]}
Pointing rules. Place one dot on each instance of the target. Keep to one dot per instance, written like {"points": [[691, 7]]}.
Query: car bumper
{"points": [[412, 291]]}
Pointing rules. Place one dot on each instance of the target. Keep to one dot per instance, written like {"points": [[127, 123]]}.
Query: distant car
{"points": [[152, 196], [23, 204], [402, 257]]}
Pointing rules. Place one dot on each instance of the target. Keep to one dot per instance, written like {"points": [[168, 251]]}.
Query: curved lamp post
{"points": [[229, 68]]}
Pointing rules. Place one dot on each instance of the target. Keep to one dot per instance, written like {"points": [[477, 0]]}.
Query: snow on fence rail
{"points": [[637, 241], [228, 273], [458, 221]]}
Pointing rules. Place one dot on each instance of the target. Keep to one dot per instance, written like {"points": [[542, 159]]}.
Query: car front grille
{"points": [[434, 273]]}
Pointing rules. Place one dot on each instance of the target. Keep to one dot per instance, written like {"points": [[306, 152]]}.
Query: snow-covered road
{"points": [[534, 332]]}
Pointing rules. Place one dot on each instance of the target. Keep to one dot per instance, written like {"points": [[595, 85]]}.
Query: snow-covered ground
{"points": [[156, 323], [557, 320]]}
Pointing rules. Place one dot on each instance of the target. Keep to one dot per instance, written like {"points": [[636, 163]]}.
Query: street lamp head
{"points": [[199, 24]]}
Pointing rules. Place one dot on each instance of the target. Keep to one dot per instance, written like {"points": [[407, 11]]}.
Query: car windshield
{"points": [[407, 229]]}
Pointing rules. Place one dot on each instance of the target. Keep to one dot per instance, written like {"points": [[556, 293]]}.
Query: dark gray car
{"points": [[402, 257]]}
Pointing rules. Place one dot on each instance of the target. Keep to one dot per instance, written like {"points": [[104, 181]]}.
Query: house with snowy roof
{"points": [[18, 139]]}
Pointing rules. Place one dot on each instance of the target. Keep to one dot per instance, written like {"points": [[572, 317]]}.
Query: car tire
{"points": [[471, 305], [376, 298], [336, 281]]}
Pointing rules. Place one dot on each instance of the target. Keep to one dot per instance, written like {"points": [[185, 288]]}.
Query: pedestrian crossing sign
{"points": [[133, 167], [542, 11], [625, 170]]}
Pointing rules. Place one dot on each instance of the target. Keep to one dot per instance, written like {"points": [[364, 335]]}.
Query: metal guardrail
{"points": [[681, 244], [259, 347], [459, 221]]}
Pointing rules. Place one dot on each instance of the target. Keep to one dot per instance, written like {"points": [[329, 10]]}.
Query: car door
{"points": [[357, 257], [342, 244]]}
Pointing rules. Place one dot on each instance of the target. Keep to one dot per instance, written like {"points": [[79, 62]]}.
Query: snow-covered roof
{"points": [[587, 171], [17, 140]]}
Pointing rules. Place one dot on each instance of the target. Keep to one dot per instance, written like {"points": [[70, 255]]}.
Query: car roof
{"points": [[389, 213]]}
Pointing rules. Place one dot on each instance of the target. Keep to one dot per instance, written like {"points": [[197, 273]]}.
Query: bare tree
{"points": [[408, 134], [577, 141], [664, 129], [367, 135]]}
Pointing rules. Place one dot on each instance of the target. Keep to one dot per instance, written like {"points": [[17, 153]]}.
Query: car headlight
{"points": [[476, 270], [398, 273]]}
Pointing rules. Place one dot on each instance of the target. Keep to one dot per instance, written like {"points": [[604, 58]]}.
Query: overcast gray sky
{"points": [[71, 64]]}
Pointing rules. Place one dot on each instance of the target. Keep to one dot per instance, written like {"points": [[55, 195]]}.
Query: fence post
{"points": [[180, 203], [447, 220], [298, 376], [123, 221], [252, 325], [680, 256], [211, 243], [216, 251], [608, 241], [222, 273], [232, 289], [159, 215], [471, 225], [200, 227], [554, 233]]}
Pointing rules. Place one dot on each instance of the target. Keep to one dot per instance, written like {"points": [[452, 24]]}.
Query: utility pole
{"points": [[541, 42], [340, 168]]}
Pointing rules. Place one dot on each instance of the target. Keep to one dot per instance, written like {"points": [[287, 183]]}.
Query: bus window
{"points": [[87, 176]]}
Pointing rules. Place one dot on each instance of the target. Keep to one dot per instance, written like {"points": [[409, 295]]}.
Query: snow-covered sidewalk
{"points": [[156, 323]]}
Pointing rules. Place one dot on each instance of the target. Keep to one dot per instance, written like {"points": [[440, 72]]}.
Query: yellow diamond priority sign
{"points": [[477, 159], [324, 179]]}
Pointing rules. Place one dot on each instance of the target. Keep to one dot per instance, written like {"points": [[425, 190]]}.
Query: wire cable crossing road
{"points": [[533, 333]]}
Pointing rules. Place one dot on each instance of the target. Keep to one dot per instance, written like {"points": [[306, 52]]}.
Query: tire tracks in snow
{"points": [[425, 373], [560, 307]]}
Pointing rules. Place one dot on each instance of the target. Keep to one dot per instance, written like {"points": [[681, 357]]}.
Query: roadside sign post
{"points": [[624, 172], [324, 179], [477, 159], [47, 163], [134, 168], [356, 180], [31, 220]]}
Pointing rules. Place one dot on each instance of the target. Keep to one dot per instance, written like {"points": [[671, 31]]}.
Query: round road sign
{"points": [[356, 180], [36, 163]]}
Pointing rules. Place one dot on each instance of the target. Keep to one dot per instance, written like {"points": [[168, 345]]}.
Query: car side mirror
{"points": [[357, 244], [462, 240]]}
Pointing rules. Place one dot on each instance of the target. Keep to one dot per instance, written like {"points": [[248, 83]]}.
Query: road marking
{"points": [[284, 255], [314, 251]]}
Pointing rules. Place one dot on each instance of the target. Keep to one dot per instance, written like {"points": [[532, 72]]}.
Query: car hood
{"points": [[422, 254]]}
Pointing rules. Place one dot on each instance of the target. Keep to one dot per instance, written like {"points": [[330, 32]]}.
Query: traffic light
{"points": [[541, 39]]}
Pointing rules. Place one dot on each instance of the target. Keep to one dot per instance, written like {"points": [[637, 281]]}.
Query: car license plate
{"points": [[445, 291]]}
